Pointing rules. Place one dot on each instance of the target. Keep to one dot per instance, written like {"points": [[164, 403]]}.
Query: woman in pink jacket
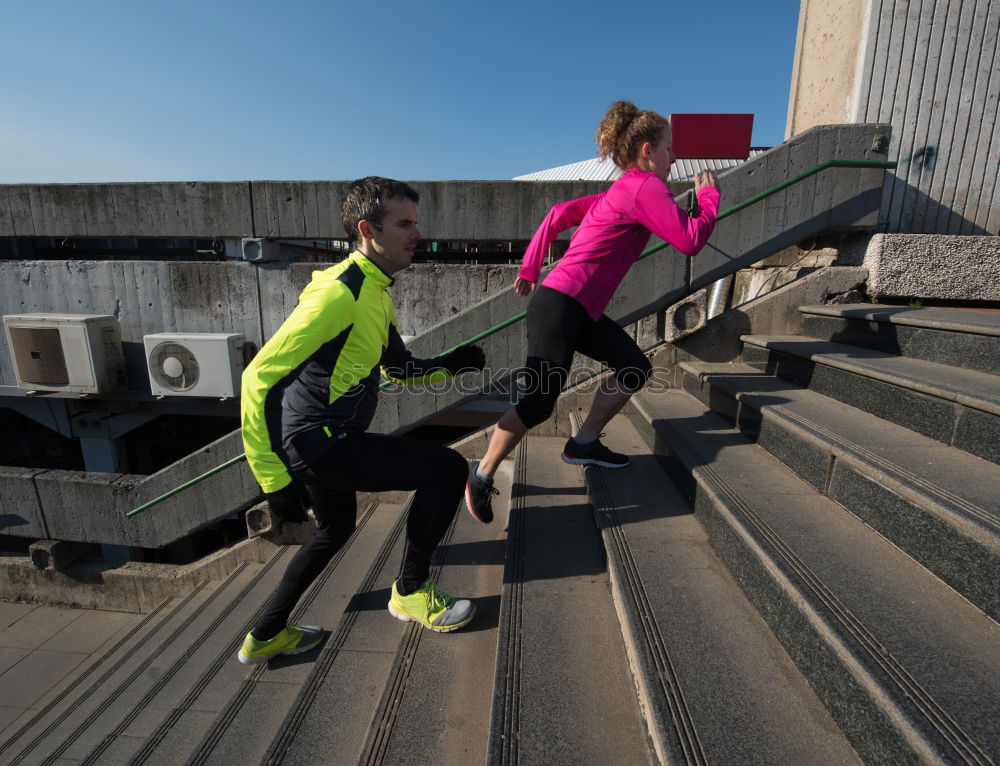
{"points": [[566, 312]]}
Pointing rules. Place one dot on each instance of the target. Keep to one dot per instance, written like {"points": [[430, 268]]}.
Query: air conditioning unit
{"points": [[73, 353], [197, 364]]}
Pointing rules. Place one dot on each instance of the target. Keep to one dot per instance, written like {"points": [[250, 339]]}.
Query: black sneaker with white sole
{"points": [[478, 498], [593, 453]]}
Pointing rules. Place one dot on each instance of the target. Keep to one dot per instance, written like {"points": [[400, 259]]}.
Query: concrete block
{"points": [[940, 267], [428, 294], [261, 521], [685, 317], [647, 330], [20, 510], [449, 210], [57, 555], [750, 284], [220, 495], [78, 507]]}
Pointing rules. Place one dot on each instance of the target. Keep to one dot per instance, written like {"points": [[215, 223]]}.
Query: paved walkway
{"points": [[44, 647]]}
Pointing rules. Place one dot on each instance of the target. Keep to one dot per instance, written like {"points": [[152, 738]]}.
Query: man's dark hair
{"points": [[365, 199]]}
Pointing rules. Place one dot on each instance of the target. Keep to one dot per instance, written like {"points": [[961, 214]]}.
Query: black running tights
{"points": [[370, 462]]}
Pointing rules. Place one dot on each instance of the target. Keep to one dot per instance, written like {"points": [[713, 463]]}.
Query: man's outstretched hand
{"points": [[290, 503], [464, 359]]}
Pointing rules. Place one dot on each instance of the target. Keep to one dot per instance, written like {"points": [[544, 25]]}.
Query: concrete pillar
{"points": [[102, 455]]}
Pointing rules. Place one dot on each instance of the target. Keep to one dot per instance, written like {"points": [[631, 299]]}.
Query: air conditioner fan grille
{"points": [[174, 366]]}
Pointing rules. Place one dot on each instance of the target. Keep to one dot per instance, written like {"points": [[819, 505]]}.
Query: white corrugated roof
{"points": [[605, 170]]}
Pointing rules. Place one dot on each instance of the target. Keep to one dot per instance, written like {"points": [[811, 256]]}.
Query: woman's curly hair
{"points": [[624, 129]]}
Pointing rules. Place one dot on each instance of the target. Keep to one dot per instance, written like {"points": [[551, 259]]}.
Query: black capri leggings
{"points": [[370, 462], [559, 326]]}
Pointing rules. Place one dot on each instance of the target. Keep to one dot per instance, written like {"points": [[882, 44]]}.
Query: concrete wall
{"points": [[929, 68], [449, 210], [825, 65], [232, 296], [77, 506]]}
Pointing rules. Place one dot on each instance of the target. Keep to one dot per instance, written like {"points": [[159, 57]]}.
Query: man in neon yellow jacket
{"points": [[308, 397]]}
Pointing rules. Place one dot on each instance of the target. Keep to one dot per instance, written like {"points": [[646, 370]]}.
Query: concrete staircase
{"points": [[869, 548], [831, 599]]}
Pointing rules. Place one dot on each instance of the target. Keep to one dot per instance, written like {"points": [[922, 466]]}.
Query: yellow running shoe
{"points": [[293, 639], [431, 607]]}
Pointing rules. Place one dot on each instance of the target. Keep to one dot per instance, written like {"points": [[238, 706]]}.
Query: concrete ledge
{"points": [[973, 351], [941, 267], [129, 587], [952, 320]]}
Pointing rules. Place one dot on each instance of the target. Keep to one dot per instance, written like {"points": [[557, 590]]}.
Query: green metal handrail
{"points": [[883, 164]]}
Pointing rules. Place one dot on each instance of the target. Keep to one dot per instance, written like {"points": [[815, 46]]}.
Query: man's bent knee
{"points": [[454, 468]]}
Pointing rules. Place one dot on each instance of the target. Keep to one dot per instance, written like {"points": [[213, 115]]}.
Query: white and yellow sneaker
{"points": [[431, 607]]}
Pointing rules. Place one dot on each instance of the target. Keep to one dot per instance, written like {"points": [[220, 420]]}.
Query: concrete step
{"points": [[969, 339], [937, 503], [46, 705], [207, 698], [97, 711], [563, 693], [716, 685], [952, 405], [908, 668]]}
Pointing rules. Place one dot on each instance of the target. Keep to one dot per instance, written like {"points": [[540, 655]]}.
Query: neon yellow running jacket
{"points": [[317, 377]]}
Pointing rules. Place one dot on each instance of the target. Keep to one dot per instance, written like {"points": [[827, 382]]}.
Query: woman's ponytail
{"points": [[623, 131]]}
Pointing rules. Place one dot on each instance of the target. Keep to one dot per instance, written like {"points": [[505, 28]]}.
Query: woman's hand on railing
{"points": [[705, 180], [523, 286]]}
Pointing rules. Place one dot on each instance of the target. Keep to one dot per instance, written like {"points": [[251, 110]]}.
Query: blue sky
{"points": [[108, 90]]}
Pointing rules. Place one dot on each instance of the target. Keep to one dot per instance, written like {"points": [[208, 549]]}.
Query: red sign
{"points": [[711, 136]]}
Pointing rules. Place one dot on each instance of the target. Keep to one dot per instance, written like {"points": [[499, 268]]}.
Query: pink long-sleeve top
{"points": [[614, 228]]}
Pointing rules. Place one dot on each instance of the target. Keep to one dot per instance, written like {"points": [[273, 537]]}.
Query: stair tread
{"points": [[965, 484], [567, 684], [957, 320], [969, 387], [923, 627], [92, 722], [742, 691]]}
